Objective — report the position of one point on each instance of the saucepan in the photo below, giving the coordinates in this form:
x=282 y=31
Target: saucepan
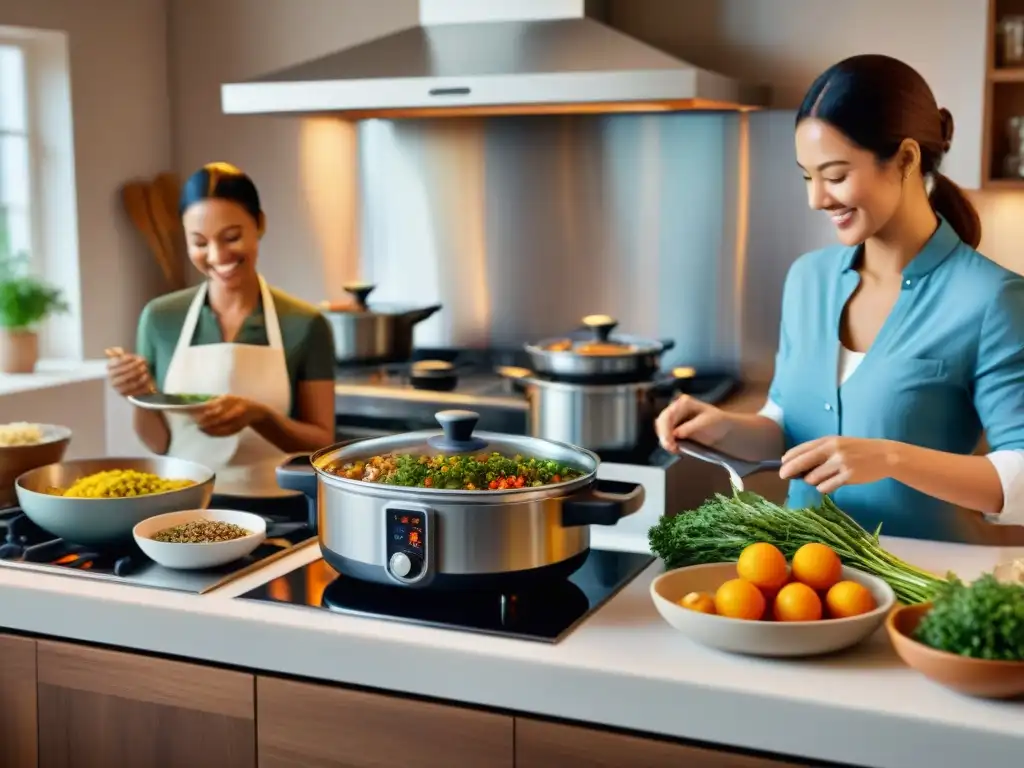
x=365 y=333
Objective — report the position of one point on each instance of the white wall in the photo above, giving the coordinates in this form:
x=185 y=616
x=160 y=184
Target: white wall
x=121 y=118
x=304 y=168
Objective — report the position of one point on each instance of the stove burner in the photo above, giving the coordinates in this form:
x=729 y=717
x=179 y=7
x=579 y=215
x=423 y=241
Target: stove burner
x=545 y=613
x=542 y=610
x=25 y=543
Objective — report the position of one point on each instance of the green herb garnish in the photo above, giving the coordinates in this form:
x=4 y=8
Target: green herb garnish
x=983 y=620
x=720 y=529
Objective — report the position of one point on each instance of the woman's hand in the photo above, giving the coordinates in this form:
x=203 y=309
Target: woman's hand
x=829 y=463
x=690 y=419
x=228 y=415
x=129 y=375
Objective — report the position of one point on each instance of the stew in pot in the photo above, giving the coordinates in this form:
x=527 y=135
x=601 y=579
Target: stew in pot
x=480 y=472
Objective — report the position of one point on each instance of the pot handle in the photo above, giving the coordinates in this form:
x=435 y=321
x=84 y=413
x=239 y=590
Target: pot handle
x=604 y=503
x=414 y=316
x=457 y=428
x=600 y=325
x=297 y=474
x=667 y=344
x=360 y=292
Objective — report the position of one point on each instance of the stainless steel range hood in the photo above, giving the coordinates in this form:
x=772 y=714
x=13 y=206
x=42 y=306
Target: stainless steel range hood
x=493 y=57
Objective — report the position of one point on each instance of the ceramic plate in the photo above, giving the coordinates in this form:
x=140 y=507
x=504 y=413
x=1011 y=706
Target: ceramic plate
x=158 y=401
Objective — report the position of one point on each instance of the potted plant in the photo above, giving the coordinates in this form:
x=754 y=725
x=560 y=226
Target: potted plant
x=25 y=302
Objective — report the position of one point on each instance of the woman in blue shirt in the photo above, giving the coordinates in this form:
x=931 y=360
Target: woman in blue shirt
x=899 y=347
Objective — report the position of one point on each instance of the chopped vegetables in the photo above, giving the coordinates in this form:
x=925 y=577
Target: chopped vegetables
x=465 y=473
x=723 y=526
x=983 y=620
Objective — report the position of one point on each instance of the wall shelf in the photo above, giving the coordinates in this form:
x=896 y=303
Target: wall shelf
x=1004 y=99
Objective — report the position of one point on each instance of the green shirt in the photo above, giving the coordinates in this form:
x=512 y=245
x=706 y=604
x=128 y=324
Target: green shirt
x=306 y=335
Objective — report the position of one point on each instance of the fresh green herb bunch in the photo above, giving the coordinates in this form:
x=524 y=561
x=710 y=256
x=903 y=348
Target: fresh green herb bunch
x=721 y=528
x=25 y=300
x=983 y=620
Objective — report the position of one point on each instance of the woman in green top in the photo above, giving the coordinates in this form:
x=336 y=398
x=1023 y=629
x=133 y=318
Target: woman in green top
x=268 y=357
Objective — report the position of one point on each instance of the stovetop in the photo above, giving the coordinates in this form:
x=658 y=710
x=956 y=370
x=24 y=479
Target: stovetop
x=26 y=545
x=545 y=615
x=380 y=399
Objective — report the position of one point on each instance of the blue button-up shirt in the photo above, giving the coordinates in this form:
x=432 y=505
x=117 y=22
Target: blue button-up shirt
x=947 y=365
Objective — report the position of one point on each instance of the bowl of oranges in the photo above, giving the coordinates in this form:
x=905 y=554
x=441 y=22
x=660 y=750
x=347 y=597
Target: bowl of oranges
x=763 y=605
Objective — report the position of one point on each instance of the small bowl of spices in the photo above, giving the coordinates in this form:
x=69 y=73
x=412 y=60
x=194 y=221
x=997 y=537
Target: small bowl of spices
x=200 y=538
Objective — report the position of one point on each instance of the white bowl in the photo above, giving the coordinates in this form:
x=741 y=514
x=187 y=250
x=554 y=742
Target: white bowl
x=763 y=638
x=199 y=556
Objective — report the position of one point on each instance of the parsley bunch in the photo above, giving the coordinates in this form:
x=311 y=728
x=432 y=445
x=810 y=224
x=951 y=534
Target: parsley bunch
x=983 y=620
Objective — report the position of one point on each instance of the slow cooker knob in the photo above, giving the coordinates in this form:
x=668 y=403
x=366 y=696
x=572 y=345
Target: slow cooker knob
x=405 y=566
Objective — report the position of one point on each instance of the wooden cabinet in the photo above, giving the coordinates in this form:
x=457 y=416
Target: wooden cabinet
x=1004 y=97
x=305 y=725
x=553 y=745
x=100 y=708
x=18 y=728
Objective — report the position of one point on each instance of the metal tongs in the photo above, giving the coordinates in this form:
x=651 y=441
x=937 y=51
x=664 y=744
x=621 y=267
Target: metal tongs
x=738 y=469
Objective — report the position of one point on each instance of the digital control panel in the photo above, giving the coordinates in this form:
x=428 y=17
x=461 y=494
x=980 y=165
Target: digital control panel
x=407 y=533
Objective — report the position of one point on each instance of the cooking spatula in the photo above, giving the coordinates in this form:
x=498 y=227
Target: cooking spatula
x=737 y=468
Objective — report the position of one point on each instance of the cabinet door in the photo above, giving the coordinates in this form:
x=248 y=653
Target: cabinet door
x=100 y=708
x=304 y=725
x=552 y=745
x=18 y=730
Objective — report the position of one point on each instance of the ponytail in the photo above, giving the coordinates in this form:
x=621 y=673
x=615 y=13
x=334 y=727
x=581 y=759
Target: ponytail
x=950 y=202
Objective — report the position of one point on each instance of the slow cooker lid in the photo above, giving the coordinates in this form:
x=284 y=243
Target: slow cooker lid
x=458 y=437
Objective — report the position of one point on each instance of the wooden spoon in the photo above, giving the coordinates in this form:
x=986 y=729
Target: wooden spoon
x=136 y=204
x=168 y=253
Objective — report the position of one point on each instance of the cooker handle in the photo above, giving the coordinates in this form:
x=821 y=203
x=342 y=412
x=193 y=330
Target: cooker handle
x=297 y=474
x=604 y=503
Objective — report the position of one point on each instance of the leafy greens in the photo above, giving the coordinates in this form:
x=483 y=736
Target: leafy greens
x=983 y=620
x=723 y=526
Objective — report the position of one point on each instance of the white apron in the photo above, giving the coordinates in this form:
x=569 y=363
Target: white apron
x=244 y=462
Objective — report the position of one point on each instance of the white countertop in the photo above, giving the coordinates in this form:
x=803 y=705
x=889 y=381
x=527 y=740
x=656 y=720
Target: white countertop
x=623 y=667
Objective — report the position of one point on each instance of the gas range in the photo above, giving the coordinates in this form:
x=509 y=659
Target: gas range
x=545 y=615
x=380 y=399
x=27 y=546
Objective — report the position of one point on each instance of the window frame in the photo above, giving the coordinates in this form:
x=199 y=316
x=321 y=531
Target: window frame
x=35 y=236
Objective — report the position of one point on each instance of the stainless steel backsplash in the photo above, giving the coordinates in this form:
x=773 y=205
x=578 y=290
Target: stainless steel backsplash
x=520 y=226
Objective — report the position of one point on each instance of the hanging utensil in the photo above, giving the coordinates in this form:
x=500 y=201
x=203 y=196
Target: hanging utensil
x=168 y=227
x=136 y=204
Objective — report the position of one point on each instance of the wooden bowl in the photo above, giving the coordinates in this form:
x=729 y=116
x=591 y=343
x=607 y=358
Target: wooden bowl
x=974 y=677
x=15 y=460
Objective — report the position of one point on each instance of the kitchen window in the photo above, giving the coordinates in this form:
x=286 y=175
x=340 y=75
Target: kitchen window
x=16 y=221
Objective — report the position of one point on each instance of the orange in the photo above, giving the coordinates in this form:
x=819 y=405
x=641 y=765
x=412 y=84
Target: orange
x=763 y=565
x=848 y=598
x=739 y=599
x=817 y=566
x=797 y=602
x=701 y=602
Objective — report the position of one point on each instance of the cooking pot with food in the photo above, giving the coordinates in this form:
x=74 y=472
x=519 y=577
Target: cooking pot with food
x=594 y=355
x=366 y=333
x=458 y=508
x=596 y=390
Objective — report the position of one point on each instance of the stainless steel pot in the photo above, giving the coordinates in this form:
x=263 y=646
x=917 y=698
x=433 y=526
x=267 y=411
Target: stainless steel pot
x=372 y=333
x=598 y=417
x=441 y=538
x=595 y=356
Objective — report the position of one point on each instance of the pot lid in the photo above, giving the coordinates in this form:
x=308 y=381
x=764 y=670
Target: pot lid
x=458 y=436
x=598 y=341
x=358 y=305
